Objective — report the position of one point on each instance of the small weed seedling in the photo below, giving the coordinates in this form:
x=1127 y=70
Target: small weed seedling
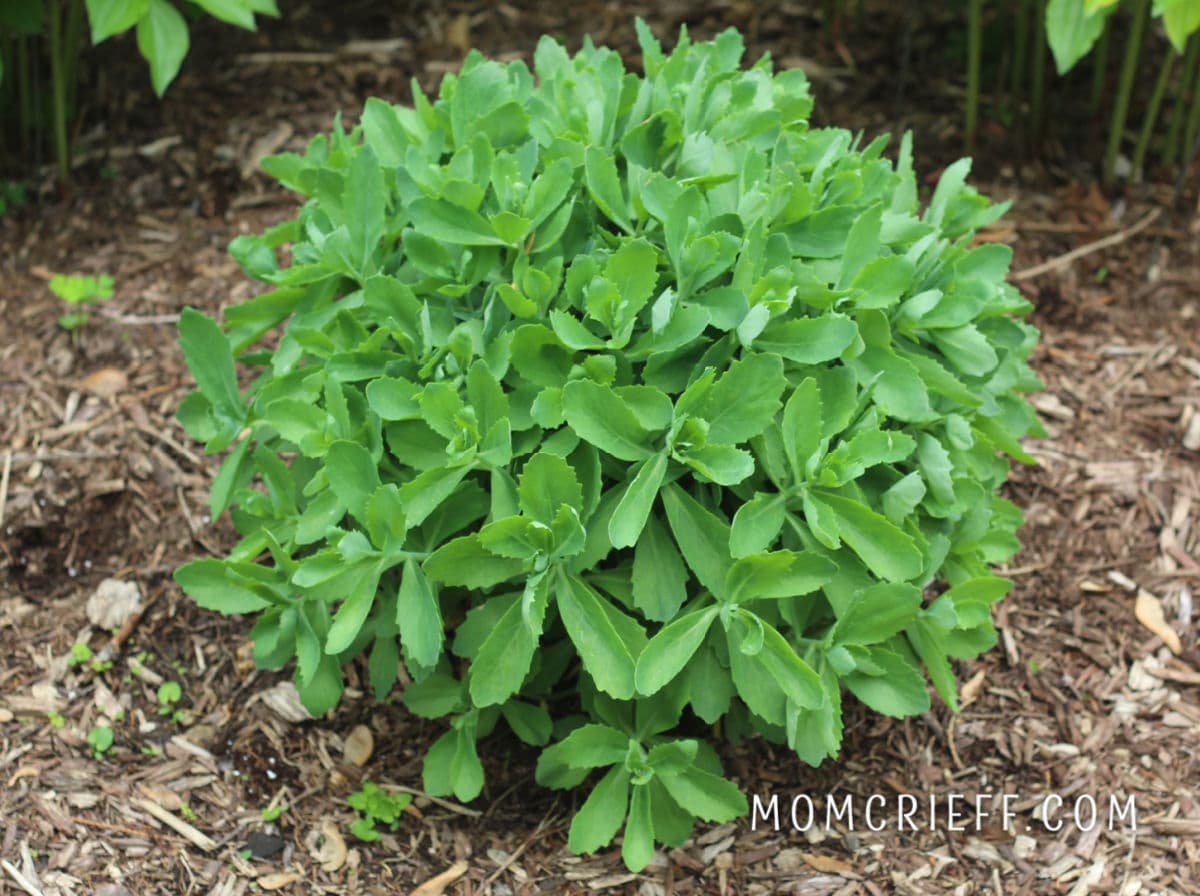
x=75 y=289
x=80 y=654
x=169 y=694
x=100 y=739
x=377 y=807
x=55 y=719
x=272 y=813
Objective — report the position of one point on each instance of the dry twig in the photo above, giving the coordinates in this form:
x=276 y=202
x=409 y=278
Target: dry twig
x=1063 y=261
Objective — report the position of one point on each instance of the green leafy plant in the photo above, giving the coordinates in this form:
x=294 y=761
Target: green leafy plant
x=273 y=813
x=376 y=807
x=78 y=289
x=55 y=30
x=602 y=403
x=100 y=739
x=55 y=719
x=80 y=653
x=169 y=694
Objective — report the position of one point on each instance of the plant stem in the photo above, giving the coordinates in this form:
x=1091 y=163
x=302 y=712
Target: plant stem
x=24 y=75
x=1181 y=95
x=58 y=90
x=1151 y=117
x=1038 y=91
x=974 y=60
x=1099 y=72
x=73 y=47
x=1116 y=130
x=1193 y=120
x=1020 y=50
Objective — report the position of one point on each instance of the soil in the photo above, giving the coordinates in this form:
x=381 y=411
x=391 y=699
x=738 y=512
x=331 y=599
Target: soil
x=1083 y=698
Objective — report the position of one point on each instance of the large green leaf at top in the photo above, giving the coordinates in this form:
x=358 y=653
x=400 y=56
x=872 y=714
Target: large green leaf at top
x=162 y=38
x=1071 y=31
x=109 y=17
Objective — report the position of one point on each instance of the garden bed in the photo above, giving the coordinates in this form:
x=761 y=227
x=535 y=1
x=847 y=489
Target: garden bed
x=1080 y=699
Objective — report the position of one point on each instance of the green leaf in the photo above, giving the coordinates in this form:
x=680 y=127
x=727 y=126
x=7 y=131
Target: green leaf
x=659 y=578
x=757 y=524
x=669 y=651
x=210 y=358
x=349 y=619
x=745 y=399
x=604 y=186
x=530 y=723
x=802 y=427
x=777 y=574
x=109 y=17
x=449 y=223
x=599 y=416
x=633 y=270
x=637 y=849
x=353 y=476
x=812 y=340
x=504 y=659
x=1071 y=31
x=602 y=813
x=629 y=517
x=209 y=584
x=593 y=746
x=900 y=691
x=794 y=676
x=546 y=483
x=162 y=38
x=418 y=616
x=705 y=795
x=877 y=613
x=888 y=551
x=702 y=537
x=604 y=653
x=466 y=562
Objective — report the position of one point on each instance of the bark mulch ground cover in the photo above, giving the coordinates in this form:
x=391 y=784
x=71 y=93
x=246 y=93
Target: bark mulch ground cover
x=1093 y=694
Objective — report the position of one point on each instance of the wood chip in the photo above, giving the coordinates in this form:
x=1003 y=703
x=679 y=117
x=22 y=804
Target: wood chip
x=107 y=382
x=332 y=851
x=181 y=827
x=359 y=745
x=437 y=884
x=278 y=880
x=1149 y=613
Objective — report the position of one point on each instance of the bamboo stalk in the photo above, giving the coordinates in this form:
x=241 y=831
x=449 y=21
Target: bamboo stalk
x=1099 y=72
x=974 y=63
x=1193 y=121
x=1178 y=112
x=58 y=90
x=1038 y=91
x=1116 y=130
x=1151 y=117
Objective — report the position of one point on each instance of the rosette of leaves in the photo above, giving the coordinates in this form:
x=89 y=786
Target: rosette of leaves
x=606 y=405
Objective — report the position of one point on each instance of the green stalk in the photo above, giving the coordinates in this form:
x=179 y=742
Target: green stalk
x=1099 y=71
x=1181 y=95
x=1193 y=122
x=1020 y=50
x=1040 y=49
x=73 y=47
x=974 y=60
x=1116 y=129
x=1151 y=117
x=24 y=76
x=58 y=91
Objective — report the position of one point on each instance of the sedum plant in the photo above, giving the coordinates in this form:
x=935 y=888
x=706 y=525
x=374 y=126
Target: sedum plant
x=609 y=407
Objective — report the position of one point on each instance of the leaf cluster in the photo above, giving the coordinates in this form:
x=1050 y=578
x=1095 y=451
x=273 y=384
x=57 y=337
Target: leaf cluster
x=602 y=402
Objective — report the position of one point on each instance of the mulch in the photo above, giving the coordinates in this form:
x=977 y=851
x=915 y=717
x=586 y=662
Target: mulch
x=1083 y=698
